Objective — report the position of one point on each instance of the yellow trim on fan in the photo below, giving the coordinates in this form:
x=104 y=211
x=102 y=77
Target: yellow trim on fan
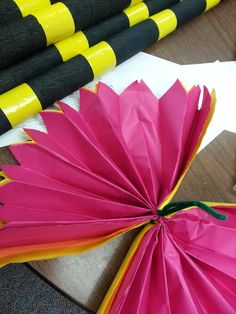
x=2 y=223
x=107 y=302
x=4 y=181
x=220 y=204
x=43 y=251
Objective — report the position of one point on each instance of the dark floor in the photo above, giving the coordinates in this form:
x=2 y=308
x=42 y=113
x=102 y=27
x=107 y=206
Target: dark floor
x=24 y=292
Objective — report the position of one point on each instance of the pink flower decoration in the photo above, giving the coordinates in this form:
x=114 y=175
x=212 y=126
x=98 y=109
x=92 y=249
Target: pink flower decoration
x=113 y=167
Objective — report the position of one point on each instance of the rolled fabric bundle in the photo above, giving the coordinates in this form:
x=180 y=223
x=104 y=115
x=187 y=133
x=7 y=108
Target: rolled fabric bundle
x=49 y=25
x=15 y=9
x=68 y=48
x=29 y=98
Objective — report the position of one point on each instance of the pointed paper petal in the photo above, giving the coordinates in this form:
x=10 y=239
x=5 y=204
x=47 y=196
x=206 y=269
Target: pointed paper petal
x=139 y=115
x=31 y=189
x=50 y=163
x=109 y=137
x=180 y=159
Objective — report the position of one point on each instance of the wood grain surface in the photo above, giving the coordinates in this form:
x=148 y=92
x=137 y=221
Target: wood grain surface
x=212 y=175
x=211 y=37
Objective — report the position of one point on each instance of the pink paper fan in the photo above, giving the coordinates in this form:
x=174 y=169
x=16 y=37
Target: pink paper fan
x=112 y=167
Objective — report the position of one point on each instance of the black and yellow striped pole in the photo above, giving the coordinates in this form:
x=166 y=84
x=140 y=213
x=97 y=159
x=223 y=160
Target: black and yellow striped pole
x=12 y=10
x=49 y=25
x=70 y=47
x=37 y=94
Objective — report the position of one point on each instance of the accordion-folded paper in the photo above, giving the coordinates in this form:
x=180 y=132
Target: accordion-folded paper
x=112 y=167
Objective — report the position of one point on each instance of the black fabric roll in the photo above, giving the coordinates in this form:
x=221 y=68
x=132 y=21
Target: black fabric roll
x=188 y=10
x=23 y=37
x=9 y=11
x=62 y=80
x=35 y=65
x=77 y=72
x=5 y=125
x=80 y=70
x=133 y=40
x=106 y=28
x=18 y=39
x=87 y=12
x=50 y=57
x=156 y=6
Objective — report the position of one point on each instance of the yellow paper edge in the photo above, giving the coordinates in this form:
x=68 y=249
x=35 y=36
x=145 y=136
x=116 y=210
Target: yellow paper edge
x=50 y=252
x=105 y=306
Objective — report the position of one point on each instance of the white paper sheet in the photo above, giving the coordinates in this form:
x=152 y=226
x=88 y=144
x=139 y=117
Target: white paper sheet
x=222 y=77
x=159 y=75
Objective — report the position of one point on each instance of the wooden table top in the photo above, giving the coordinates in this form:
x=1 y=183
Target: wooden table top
x=211 y=37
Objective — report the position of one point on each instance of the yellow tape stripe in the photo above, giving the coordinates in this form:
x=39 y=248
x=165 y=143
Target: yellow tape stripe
x=19 y=104
x=137 y=14
x=166 y=22
x=101 y=58
x=72 y=46
x=109 y=297
x=29 y=6
x=211 y=3
x=56 y=21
